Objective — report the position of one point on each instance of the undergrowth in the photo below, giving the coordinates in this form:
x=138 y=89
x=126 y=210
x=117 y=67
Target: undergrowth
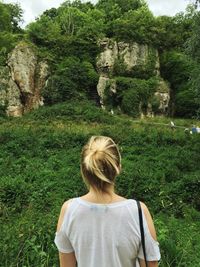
x=39 y=170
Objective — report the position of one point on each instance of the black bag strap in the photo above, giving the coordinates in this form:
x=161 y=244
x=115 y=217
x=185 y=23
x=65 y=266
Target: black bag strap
x=142 y=231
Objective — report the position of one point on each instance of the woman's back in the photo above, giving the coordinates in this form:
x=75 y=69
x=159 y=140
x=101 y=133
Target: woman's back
x=104 y=235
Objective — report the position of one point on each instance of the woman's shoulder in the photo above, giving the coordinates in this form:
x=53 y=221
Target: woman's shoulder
x=63 y=211
x=149 y=220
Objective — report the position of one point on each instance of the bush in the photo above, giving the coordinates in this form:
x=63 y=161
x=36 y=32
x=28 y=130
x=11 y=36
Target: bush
x=132 y=94
x=130 y=103
x=69 y=76
x=177 y=68
x=131 y=27
x=185 y=103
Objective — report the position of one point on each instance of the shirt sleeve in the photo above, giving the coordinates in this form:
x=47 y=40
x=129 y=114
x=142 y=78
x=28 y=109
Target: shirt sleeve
x=62 y=242
x=151 y=245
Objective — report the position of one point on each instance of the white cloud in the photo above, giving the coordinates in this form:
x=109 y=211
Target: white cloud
x=169 y=7
x=34 y=8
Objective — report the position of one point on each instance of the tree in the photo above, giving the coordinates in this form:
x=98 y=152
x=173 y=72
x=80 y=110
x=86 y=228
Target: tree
x=10 y=31
x=71 y=79
x=16 y=13
x=193 y=49
x=45 y=31
x=5 y=21
x=136 y=25
x=124 y=6
x=10 y=17
x=177 y=68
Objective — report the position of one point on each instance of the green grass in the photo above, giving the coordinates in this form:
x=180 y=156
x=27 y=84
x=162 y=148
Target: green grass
x=39 y=170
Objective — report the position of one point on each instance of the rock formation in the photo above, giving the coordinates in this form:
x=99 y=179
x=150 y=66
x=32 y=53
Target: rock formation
x=22 y=81
x=130 y=55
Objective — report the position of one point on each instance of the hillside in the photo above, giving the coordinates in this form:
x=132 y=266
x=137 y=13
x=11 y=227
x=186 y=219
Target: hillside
x=40 y=156
x=116 y=53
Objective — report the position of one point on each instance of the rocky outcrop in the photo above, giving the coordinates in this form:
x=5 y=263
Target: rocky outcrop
x=129 y=57
x=163 y=97
x=22 y=81
x=129 y=54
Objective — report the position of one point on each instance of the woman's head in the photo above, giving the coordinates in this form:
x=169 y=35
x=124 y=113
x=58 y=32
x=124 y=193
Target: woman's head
x=100 y=162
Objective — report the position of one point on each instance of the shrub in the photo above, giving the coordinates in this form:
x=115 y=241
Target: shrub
x=132 y=94
x=69 y=76
x=130 y=103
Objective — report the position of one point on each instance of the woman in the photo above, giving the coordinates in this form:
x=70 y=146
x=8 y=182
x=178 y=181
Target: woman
x=101 y=228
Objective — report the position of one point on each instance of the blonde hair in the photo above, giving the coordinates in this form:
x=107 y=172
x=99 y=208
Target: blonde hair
x=100 y=162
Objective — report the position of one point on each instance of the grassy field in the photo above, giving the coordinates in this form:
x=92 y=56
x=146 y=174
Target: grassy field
x=39 y=170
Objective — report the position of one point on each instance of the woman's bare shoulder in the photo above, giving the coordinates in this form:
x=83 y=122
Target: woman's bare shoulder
x=62 y=213
x=149 y=220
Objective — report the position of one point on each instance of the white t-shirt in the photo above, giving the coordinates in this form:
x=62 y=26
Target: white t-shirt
x=105 y=235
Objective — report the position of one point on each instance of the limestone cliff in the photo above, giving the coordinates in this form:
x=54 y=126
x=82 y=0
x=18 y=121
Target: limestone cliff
x=22 y=80
x=131 y=54
x=130 y=57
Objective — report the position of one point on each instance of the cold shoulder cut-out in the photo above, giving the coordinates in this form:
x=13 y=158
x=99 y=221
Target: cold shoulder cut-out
x=105 y=235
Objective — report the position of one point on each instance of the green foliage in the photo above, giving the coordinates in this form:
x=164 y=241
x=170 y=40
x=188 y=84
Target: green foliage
x=177 y=243
x=124 y=7
x=44 y=32
x=2 y=110
x=40 y=157
x=74 y=111
x=7 y=42
x=177 y=68
x=115 y=10
x=10 y=31
x=132 y=94
x=65 y=83
x=186 y=103
x=193 y=49
x=120 y=68
x=70 y=30
x=74 y=29
x=155 y=103
x=87 y=25
x=143 y=70
x=173 y=32
x=130 y=103
x=10 y=17
x=137 y=25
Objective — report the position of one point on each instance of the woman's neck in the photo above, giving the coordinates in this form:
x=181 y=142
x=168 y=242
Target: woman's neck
x=104 y=198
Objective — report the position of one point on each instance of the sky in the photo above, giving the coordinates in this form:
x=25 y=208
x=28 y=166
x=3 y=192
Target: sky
x=34 y=8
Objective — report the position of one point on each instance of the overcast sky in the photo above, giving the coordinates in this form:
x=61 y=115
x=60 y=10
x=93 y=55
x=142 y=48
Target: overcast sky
x=33 y=8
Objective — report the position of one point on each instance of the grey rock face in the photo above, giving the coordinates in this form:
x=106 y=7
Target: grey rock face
x=102 y=84
x=163 y=96
x=22 y=62
x=22 y=81
x=107 y=58
x=130 y=55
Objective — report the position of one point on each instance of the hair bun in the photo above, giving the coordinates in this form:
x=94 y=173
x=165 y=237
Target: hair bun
x=100 y=161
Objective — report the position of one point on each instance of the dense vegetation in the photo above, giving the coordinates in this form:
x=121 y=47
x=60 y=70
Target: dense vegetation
x=10 y=31
x=40 y=158
x=67 y=37
x=40 y=153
